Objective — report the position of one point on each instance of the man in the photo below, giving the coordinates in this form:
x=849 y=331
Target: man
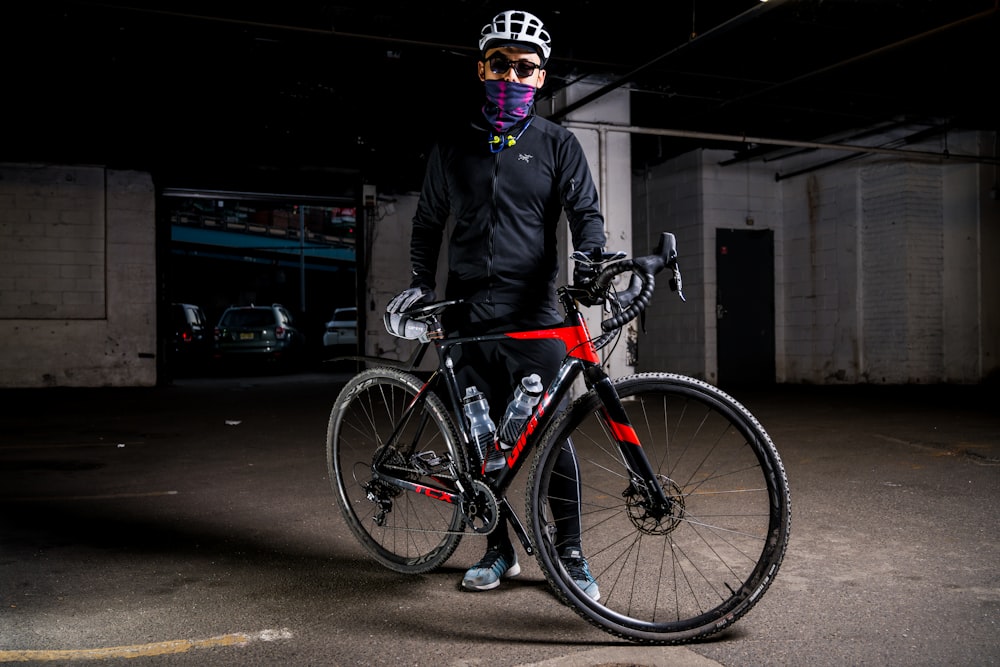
x=504 y=180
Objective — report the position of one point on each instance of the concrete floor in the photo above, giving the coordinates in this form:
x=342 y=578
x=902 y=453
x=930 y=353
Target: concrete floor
x=194 y=524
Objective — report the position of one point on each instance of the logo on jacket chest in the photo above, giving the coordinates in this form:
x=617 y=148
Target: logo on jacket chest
x=524 y=157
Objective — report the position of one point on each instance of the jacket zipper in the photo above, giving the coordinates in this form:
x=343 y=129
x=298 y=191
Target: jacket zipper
x=491 y=245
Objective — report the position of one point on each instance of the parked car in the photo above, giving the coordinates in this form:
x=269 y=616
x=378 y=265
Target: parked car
x=190 y=340
x=266 y=333
x=342 y=329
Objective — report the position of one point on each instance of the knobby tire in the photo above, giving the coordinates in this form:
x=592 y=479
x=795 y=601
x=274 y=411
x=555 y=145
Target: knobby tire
x=695 y=571
x=404 y=531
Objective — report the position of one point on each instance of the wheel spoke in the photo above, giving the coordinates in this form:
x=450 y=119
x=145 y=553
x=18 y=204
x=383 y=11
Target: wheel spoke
x=405 y=531
x=666 y=576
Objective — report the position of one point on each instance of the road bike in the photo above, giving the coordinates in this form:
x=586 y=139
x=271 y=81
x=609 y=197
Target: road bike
x=684 y=498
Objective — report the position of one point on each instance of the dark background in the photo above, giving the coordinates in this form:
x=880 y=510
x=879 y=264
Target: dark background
x=312 y=93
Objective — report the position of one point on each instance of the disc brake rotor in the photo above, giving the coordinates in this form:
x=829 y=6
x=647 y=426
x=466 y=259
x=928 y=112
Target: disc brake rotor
x=656 y=523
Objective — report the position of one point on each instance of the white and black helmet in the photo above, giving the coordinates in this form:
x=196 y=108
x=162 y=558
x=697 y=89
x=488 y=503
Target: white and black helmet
x=516 y=28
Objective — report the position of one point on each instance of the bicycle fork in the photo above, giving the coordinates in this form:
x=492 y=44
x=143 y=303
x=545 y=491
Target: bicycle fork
x=644 y=480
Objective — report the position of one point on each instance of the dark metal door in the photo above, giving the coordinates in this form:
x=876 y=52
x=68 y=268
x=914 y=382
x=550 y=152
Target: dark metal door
x=745 y=306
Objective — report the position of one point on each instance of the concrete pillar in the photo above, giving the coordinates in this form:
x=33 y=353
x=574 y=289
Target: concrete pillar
x=609 y=155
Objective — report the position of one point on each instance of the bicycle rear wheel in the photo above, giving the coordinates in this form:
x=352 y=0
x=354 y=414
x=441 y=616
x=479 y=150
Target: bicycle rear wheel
x=674 y=578
x=405 y=531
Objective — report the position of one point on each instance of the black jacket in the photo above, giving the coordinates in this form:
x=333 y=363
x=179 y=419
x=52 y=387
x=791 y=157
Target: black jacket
x=505 y=208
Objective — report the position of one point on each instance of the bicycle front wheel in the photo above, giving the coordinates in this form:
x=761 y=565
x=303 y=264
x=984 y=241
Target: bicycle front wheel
x=663 y=577
x=405 y=531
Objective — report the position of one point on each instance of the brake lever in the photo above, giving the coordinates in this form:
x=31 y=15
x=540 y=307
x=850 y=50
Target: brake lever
x=584 y=258
x=584 y=297
x=676 y=284
x=580 y=257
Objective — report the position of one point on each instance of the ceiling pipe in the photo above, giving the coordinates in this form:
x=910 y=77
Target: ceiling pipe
x=754 y=13
x=770 y=155
x=721 y=29
x=743 y=139
x=913 y=138
x=326 y=32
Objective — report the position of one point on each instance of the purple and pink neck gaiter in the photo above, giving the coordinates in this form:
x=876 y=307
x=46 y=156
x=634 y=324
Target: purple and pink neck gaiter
x=507 y=102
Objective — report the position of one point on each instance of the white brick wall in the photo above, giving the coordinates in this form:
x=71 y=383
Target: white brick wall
x=882 y=272
x=902 y=244
x=818 y=275
x=52 y=232
x=390 y=274
x=77 y=277
x=885 y=271
x=676 y=336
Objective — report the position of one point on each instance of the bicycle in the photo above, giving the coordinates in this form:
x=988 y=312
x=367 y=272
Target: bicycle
x=685 y=500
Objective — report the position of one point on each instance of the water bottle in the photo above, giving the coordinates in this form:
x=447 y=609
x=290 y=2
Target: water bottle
x=481 y=427
x=512 y=423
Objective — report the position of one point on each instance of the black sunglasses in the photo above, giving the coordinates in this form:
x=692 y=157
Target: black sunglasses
x=522 y=68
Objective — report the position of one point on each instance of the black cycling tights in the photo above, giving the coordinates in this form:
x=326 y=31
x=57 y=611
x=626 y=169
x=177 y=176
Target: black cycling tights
x=495 y=369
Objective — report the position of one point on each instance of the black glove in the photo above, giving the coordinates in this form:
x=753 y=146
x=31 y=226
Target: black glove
x=586 y=270
x=410 y=297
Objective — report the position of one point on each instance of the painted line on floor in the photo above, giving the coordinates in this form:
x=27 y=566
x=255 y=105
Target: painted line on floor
x=145 y=650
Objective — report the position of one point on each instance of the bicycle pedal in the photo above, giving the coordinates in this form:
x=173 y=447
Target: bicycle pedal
x=428 y=460
x=428 y=457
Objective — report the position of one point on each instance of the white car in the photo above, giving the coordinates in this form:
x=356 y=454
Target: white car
x=342 y=329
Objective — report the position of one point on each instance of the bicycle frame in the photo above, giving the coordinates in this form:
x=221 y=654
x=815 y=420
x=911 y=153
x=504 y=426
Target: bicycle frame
x=683 y=532
x=581 y=359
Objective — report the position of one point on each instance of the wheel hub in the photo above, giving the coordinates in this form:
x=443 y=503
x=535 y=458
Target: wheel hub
x=654 y=520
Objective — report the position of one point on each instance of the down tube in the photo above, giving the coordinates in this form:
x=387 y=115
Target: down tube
x=548 y=407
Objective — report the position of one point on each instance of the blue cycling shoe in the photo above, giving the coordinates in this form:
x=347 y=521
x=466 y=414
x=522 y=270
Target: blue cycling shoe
x=485 y=575
x=577 y=567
